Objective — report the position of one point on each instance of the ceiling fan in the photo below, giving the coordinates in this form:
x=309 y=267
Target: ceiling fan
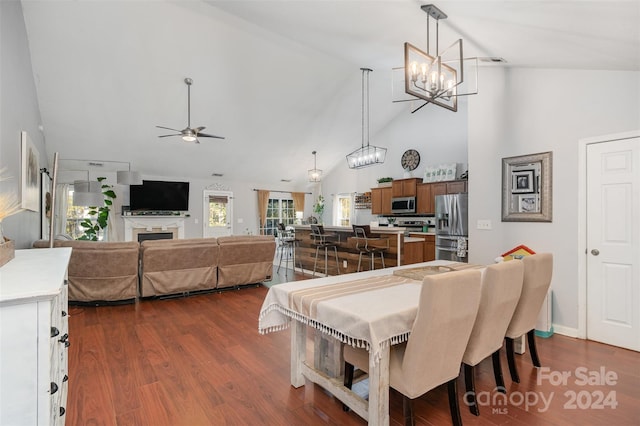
x=189 y=134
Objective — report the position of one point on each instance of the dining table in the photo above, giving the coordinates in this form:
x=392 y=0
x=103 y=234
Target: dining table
x=372 y=310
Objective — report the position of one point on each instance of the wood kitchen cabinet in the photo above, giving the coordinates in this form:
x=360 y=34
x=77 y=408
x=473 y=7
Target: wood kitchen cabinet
x=424 y=199
x=405 y=187
x=429 y=246
x=381 y=200
x=450 y=187
x=427 y=192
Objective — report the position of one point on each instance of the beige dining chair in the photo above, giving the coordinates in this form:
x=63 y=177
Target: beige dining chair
x=501 y=288
x=538 y=269
x=432 y=355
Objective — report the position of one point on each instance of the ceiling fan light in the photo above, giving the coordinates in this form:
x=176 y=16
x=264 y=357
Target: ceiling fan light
x=188 y=138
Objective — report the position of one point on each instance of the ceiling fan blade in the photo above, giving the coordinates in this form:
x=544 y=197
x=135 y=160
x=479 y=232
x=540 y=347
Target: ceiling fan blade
x=199 y=129
x=168 y=128
x=204 y=135
x=165 y=136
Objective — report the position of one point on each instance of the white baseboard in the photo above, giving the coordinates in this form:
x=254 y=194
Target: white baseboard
x=565 y=331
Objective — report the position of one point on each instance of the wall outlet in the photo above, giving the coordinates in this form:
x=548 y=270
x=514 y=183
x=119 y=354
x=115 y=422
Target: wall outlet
x=344 y=264
x=195 y=220
x=483 y=224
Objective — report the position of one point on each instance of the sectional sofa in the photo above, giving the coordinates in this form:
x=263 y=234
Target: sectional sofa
x=125 y=271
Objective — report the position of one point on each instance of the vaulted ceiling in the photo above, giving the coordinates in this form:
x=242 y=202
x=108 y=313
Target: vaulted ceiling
x=278 y=79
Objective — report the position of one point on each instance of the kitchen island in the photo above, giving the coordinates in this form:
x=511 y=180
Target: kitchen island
x=402 y=250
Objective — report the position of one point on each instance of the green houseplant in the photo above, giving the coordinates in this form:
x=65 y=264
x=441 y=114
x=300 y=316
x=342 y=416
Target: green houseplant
x=385 y=181
x=99 y=214
x=318 y=208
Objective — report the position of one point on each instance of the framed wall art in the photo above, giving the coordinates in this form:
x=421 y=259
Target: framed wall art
x=527 y=188
x=30 y=174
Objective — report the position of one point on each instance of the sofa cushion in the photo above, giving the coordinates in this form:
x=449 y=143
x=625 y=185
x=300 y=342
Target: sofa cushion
x=245 y=259
x=178 y=266
x=100 y=271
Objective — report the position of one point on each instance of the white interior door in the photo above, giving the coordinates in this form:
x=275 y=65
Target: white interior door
x=217 y=214
x=613 y=242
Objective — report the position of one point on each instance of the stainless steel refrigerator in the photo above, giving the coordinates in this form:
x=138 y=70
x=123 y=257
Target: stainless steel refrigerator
x=452 y=227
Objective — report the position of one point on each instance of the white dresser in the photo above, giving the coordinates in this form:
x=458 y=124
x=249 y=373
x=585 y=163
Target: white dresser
x=34 y=338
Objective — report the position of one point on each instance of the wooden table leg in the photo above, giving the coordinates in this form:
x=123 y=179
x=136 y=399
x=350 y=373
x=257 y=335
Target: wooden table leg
x=379 y=389
x=298 y=352
x=327 y=354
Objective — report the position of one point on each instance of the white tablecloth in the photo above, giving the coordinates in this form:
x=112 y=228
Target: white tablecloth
x=371 y=312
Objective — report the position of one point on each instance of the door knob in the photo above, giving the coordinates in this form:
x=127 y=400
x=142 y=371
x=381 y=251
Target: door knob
x=595 y=252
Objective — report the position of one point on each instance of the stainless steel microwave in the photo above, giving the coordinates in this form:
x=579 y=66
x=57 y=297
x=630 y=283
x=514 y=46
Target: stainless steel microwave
x=403 y=205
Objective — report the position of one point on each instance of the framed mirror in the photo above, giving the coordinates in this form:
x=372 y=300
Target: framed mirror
x=527 y=188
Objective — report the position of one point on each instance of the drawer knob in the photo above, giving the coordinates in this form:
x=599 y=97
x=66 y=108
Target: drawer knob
x=62 y=411
x=54 y=388
x=54 y=331
x=65 y=378
x=64 y=313
x=64 y=338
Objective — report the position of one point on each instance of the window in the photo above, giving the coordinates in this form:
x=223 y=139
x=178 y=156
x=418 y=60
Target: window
x=279 y=211
x=75 y=215
x=344 y=210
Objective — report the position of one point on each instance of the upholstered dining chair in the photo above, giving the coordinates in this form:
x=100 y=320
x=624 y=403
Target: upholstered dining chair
x=501 y=288
x=538 y=269
x=431 y=356
x=369 y=244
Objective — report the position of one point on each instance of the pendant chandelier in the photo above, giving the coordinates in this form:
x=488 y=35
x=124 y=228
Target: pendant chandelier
x=315 y=174
x=366 y=155
x=436 y=79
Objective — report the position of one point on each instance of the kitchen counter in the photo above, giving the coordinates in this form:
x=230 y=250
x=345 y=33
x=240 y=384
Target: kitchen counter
x=395 y=255
x=413 y=239
x=422 y=233
x=374 y=229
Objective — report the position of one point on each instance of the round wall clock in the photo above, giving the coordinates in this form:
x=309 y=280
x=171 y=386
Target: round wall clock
x=410 y=159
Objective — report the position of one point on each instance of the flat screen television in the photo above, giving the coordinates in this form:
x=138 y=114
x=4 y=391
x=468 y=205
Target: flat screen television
x=157 y=195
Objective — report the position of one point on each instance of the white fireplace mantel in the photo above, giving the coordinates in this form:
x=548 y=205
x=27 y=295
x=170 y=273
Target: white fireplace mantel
x=134 y=225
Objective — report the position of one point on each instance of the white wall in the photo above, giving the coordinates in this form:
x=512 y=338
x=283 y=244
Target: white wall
x=245 y=202
x=526 y=111
x=439 y=135
x=18 y=111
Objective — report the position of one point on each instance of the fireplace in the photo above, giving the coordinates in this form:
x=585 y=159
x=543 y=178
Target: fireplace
x=139 y=228
x=144 y=236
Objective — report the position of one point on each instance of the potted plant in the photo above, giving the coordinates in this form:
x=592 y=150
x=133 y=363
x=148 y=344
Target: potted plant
x=318 y=208
x=101 y=214
x=385 y=181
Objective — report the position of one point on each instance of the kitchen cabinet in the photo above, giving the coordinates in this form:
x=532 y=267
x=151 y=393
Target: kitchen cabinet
x=34 y=337
x=429 y=246
x=381 y=200
x=412 y=251
x=424 y=199
x=405 y=187
x=450 y=187
x=427 y=192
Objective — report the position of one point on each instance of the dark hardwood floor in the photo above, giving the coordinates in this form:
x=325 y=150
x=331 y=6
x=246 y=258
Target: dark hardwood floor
x=199 y=360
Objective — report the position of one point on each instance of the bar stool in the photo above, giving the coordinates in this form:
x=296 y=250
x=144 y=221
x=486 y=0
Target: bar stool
x=325 y=241
x=287 y=243
x=366 y=243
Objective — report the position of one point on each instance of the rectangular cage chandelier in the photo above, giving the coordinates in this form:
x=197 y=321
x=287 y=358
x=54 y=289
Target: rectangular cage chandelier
x=439 y=78
x=367 y=155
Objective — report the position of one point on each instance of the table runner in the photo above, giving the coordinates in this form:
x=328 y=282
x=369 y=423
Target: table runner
x=370 y=313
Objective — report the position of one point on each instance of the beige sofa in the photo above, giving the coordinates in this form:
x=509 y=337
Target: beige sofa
x=245 y=259
x=178 y=266
x=100 y=271
x=113 y=271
